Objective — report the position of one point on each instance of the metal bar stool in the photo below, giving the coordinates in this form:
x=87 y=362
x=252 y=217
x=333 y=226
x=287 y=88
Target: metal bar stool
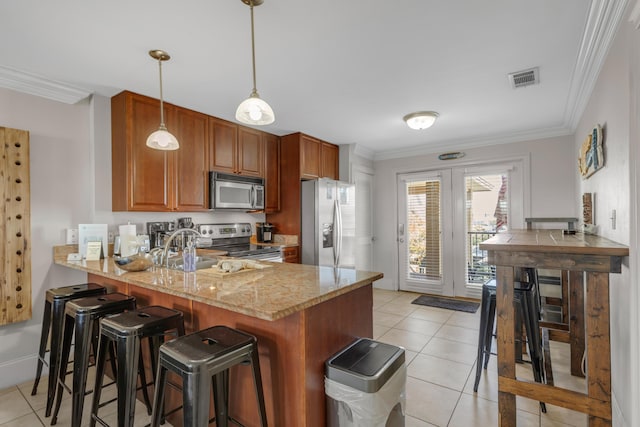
x=528 y=304
x=52 y=322
x=82 y=315
x=127 y=330
x=203 y=359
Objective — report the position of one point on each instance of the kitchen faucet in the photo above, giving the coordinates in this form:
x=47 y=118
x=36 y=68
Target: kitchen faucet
x=164 y=257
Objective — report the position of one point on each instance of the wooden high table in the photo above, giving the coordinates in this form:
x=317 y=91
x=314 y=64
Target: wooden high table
x=585 y=256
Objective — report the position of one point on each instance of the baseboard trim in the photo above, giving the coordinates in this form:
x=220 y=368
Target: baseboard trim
x=616 y=413
x=385 y=284
x=18 y=371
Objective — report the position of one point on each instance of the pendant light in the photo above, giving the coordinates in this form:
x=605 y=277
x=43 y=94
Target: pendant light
x=254 y=110
x=161 y=139
x=421 y=119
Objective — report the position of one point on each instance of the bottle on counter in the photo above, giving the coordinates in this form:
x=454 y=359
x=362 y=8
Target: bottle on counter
x=189 y=257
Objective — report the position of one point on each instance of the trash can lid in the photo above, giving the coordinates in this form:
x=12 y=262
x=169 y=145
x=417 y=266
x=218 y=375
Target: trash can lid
x=365 y=365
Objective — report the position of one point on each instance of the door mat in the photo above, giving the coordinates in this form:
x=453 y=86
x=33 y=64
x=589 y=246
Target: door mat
x=448 y=303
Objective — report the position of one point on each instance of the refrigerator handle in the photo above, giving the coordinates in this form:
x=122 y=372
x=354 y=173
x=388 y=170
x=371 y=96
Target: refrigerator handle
x=338 y=242
x=334 y=231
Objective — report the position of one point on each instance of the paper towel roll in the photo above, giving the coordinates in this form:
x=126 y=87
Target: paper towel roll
x=127 y=230
x=128 y=240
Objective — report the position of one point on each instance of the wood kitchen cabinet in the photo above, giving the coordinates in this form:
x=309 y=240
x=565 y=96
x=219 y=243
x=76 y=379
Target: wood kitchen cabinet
x=301 y=157
x=144 y=179
x=272 y=173
x=318 y=159
x=223 y=145
x=291 y=254
x=235 y=149
x=329 y=155
x=191 y=178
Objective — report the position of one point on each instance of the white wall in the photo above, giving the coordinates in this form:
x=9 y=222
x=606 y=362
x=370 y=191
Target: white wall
x=609 y=106
x=70 y=147
x=60 y=184
x=552 y=165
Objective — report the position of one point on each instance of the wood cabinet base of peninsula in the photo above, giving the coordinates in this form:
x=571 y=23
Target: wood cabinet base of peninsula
x=293 y=351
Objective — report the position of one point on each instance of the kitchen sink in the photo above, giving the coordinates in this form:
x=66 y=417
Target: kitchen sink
x=201 y=262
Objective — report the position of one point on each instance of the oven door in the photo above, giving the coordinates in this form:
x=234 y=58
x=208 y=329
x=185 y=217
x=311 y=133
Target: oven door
x=232 y=195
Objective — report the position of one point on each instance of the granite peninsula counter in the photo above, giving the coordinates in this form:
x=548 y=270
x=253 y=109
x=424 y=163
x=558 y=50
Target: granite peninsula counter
x=300 y=314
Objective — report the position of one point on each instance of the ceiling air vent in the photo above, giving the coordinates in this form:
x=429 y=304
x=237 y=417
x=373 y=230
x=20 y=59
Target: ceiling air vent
x=524 y=78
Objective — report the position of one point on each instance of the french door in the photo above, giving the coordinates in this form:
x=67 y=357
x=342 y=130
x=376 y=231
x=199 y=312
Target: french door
x=444 y=215
x=424 y=234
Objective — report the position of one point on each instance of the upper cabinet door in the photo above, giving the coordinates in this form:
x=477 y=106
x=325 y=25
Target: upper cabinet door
x=191 y=163
x=329 y=156
x=140 y=174
x=272 y=173
x=250 y=152
x=223 y=146
x=310 y=152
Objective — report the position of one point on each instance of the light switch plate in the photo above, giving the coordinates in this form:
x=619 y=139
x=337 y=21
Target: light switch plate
x=72 y=236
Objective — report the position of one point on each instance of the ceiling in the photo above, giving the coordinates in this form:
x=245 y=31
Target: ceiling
x=343 y=71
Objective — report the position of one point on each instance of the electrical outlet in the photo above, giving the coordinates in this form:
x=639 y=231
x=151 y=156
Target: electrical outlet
x=72 y=236
x=111 y=237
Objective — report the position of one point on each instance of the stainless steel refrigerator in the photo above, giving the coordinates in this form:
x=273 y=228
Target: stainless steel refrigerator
x=328 y=223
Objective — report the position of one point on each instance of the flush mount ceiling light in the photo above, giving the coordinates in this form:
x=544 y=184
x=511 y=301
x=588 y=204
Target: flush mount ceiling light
x=161 y=139
x=253 y=110
x=421 y=119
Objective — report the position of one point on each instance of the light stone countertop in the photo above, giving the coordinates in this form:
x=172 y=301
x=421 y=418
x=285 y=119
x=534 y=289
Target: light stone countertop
x=270 y=294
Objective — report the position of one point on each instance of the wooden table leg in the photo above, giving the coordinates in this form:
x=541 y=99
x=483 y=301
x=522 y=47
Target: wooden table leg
x=506 y=343
x=598 y=343
x=576 y=321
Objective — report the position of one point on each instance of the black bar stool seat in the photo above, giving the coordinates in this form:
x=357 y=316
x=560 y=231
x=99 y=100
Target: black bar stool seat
x=127 y=330
x=203 y=359
x=52 y=322
x=527 y=299
x=82 y=316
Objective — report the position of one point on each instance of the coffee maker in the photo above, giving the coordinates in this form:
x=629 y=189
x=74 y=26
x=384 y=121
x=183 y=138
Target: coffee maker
x=158 y=231
x=264 y=232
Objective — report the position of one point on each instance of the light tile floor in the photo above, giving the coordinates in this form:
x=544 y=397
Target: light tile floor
x=19 y=409
x=441 y=350
x=440 y=354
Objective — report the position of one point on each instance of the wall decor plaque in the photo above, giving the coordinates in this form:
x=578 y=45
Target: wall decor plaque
x=591 y=157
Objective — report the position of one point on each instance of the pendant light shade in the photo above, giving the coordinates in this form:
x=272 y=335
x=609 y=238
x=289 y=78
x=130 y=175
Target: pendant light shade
x=161 y=139
x=421 y=119
x=254 y=110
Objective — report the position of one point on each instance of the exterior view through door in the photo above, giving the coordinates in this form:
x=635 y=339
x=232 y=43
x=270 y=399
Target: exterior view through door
x=443 y=216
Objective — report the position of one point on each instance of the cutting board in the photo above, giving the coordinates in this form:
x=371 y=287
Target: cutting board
x=215 y=271
x=15 y=227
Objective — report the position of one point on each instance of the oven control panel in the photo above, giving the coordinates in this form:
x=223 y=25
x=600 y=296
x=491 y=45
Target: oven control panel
x=224 y=231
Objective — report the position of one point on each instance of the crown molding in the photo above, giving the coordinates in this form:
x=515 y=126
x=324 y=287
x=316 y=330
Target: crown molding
x=459 y=145
x=33 y=84
x=634 y=16
x=603 y=20
x=602 y=24
x=363 y=151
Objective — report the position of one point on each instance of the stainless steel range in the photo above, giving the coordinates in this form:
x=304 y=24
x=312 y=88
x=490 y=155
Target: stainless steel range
x=235 y=238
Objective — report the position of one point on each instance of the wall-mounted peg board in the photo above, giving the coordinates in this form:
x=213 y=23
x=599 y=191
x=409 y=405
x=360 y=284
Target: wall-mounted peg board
x=15 y=228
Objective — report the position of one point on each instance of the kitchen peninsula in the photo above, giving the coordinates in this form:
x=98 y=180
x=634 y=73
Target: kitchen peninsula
x=300 y=314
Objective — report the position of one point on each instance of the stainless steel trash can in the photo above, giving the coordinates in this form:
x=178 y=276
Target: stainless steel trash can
x=365 y=385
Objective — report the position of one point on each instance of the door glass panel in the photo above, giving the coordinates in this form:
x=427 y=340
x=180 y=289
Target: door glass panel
x=424 y=257
x=486 y=212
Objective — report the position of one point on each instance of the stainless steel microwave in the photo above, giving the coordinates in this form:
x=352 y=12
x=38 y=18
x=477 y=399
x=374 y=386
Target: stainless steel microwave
x=233 y=192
